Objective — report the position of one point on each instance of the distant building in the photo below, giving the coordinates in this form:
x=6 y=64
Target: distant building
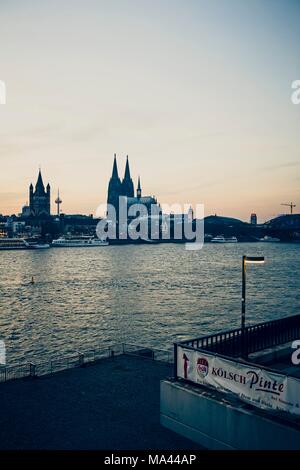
x=18 y=227
x=116 y=189
x=39 y=199
x=25 y=211
x=77 y=224
x=3 y=230
x=253 y=219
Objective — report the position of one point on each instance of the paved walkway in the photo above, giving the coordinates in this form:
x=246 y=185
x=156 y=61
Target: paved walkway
x=110 y=405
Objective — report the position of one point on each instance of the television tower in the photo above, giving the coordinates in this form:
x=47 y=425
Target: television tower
x=58 y=201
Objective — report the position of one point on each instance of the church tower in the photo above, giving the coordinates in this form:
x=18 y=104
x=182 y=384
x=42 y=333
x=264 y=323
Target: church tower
x=127 y=183
x=39 y=200
x=114 y=186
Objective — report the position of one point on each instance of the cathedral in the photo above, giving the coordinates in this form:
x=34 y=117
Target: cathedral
x=39 y=199
x=117 y=188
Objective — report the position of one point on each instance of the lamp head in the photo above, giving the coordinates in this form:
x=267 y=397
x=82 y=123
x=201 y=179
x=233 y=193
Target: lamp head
x=254 y=259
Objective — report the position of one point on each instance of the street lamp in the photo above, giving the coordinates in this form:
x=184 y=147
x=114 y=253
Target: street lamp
x=247 y=260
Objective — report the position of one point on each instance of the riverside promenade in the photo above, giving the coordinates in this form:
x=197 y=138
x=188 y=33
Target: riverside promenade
x=112 y=405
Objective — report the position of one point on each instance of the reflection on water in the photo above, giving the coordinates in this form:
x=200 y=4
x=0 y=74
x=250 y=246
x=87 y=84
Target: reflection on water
x=140 y=294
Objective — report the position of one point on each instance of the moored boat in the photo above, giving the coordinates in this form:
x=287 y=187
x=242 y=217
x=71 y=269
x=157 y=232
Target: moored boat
x=13 y=244
x=222 y=239
x=78 y=242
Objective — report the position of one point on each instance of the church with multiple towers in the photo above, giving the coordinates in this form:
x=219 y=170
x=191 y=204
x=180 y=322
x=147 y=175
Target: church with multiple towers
x=40 y=196
x=125 y=188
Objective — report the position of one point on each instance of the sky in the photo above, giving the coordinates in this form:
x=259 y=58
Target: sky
x=196 y=92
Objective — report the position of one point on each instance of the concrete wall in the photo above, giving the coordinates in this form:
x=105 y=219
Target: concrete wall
x=214 y=423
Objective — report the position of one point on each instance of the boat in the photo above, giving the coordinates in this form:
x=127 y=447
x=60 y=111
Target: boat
x=222 y=239
x=13 y=244
x=269 y=239
x=38 y=246
x=78 y=242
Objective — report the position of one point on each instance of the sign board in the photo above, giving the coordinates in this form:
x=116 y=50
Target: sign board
x=257 y=386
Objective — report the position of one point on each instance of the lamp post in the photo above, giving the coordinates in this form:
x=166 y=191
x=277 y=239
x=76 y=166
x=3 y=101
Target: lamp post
x=247 y=260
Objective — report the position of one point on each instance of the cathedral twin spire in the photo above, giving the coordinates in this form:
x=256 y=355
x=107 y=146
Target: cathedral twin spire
x=127 y=183
x=115 y=169
x=127 y=170
x=124 y=188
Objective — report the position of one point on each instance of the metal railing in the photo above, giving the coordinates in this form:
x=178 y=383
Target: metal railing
x=160 y=355
x=48 y=366
x=242 y=342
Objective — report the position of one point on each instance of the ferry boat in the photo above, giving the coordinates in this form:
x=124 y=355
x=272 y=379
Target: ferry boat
x=13 y=244
x=77 y=242
x=222 y=239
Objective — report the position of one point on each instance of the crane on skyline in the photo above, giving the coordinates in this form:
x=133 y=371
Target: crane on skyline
x=291 y=205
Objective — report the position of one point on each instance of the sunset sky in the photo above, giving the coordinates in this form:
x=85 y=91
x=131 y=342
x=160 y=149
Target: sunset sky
x=197 y=93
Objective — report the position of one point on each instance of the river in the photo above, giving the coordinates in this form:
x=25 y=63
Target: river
x=145 y=294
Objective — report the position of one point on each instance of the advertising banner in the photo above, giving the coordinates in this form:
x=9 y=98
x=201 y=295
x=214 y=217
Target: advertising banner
x=257 y=386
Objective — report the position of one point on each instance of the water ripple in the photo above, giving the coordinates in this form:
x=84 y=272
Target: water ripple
x=137 y=294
